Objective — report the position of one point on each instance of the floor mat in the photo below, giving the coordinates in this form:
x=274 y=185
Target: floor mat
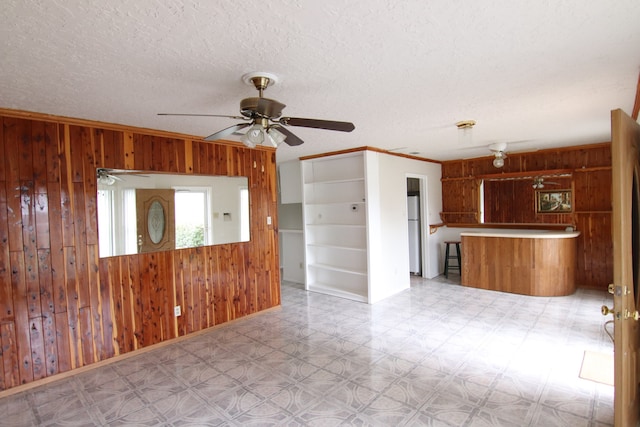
x=597 y=367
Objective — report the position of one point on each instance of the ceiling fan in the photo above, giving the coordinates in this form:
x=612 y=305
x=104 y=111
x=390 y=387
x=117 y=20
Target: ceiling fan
x=262 y=116
x=108 y=176
x=105 y=177
x=539 y=182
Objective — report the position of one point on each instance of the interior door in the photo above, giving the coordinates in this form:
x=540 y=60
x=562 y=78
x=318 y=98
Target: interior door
x=155 y=216
x=625 y=142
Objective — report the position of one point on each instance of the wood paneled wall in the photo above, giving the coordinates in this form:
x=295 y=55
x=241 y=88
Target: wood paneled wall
x=63 y=307
x=591 y=183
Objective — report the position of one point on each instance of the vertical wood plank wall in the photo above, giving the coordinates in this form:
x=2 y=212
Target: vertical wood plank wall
x=63 y=307
x=591 y=166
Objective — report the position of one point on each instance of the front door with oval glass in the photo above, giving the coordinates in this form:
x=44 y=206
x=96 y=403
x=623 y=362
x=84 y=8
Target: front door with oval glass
x=155 y=219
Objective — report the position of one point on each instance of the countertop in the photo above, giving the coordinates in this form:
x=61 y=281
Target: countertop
x=524 y=234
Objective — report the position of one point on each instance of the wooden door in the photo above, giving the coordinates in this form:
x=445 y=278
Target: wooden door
x=625 y=142
x=155 y=216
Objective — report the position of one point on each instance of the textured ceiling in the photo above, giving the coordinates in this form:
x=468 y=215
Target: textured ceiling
x=534 y=74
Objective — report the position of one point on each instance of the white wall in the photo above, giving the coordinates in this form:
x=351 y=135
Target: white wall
x=290 y=223
x=388 y=219
x=292 y=256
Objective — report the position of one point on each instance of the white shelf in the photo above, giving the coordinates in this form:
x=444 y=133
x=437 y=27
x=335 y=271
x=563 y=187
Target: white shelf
x=348 y=202
x=335 y=216
x=340 y=269
x=337 y=292
x=337 y=225
x=337 y=247
x=335 y=181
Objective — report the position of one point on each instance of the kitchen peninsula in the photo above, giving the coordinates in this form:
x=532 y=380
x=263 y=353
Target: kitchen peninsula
x=527 y=262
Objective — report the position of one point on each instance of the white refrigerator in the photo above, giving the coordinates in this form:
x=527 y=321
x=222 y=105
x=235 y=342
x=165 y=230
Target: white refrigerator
x=413 y=213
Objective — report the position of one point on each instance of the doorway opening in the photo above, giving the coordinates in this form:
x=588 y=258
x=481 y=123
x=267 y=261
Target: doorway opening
x=416 y=225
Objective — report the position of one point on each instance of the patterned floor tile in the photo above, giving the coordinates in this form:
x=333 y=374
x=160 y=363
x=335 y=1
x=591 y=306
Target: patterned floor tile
x=24 y=418
x=295 y=399
x=352 y=395
x=388 y=412
x=60 y=406
x=509 y=407
x=235 y=402
x=142 y=417
x=437 y=354
x=178 y=405
x=447 y=408
x=119 y=407
x=96 y=393
x=325 y=413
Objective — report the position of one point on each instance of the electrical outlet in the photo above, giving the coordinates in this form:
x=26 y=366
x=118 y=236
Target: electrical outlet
x=268 y=220
x=177 y=311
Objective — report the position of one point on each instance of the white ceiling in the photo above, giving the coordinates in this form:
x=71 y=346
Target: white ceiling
x=535 y=74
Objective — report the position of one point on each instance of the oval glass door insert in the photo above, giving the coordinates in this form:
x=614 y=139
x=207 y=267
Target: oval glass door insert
x=155 y=222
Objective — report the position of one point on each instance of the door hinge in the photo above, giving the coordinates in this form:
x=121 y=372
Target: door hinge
x=617 y=290
x=631 y=315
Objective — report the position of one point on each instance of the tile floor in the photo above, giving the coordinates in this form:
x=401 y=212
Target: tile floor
x=438 y=354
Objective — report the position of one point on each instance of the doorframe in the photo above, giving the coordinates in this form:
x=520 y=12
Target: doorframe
x=425 y=270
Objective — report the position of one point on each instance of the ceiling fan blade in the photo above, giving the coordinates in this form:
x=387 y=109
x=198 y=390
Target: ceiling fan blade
x=318 y=124
x=290 y=139
x=226 y=132
x=269 y=108
x=204 y=115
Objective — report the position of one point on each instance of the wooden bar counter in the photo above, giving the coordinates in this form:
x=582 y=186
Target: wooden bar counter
x=527 y=262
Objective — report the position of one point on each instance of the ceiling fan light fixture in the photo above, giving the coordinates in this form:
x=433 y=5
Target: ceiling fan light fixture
x=275 y=138
x=246 y=142
x=254 y=136
x=537 y=183
x=104 y=178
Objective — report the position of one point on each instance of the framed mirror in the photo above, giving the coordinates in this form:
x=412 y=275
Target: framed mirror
x=514 y=198
x=143 y=211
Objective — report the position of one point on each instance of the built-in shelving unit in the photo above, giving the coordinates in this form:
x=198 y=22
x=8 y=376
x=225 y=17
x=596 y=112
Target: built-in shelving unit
x=335 y=221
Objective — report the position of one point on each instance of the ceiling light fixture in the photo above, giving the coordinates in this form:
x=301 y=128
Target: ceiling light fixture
x=464 y=131
x=466 y=124
x=499 y=160
x=261 y=133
